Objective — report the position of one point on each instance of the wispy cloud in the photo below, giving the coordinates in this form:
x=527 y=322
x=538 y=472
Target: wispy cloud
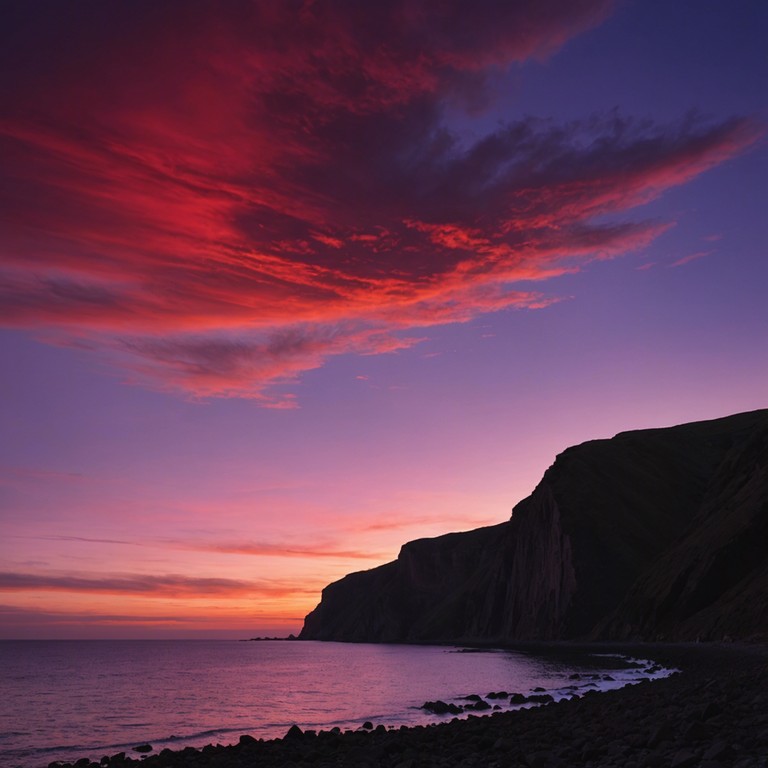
x=87 y=540
x=220 y=209
x=15 y=475
x=16 y=614
x=262 y=549
x=171 y=585
x=402 y=522
x=24 y=622
x=691 y=257
x=321 y=550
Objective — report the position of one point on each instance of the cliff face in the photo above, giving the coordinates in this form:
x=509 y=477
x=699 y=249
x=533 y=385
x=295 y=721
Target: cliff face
x=654 y=532
x=712 y=582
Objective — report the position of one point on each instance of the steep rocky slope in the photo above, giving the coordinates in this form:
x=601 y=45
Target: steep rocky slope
x=653 y=532
x=714 y=582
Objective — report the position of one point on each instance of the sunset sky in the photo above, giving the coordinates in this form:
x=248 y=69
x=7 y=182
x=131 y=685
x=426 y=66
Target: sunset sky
x=285 y=284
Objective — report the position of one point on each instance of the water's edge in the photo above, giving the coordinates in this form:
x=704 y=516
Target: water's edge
x=587 y=671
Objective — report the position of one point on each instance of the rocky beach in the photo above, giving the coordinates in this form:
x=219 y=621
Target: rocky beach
x=712 y=714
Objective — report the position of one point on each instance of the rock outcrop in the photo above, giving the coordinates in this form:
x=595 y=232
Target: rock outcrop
x=659 y=532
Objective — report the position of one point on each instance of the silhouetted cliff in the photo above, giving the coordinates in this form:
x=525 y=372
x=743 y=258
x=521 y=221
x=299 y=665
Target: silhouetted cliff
x=653 y=532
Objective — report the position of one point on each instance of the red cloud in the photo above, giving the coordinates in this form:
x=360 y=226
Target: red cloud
x=220 y=197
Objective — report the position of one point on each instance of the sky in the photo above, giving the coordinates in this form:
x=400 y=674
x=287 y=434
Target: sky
x=286 y=284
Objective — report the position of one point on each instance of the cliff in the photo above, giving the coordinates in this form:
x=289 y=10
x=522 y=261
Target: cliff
x=660 y=532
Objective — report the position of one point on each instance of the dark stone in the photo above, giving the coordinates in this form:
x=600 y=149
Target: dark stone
x=663 y=732
x=143 y=748
x=294 y=732
x=538 y=760
x=719 y=748
x=247 y=739
x=684 y=758
x=697 y=731
x=368 y=725
x=711 y=709
x=441 y=708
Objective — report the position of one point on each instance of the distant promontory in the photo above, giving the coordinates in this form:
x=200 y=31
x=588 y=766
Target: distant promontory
x=653 y=534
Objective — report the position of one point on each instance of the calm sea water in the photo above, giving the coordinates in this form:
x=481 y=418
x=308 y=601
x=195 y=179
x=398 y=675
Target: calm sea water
x=62 y=700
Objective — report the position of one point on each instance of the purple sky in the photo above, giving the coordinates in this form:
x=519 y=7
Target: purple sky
x=284 y=285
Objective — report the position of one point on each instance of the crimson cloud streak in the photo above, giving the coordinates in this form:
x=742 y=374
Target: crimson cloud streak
x=218 y=197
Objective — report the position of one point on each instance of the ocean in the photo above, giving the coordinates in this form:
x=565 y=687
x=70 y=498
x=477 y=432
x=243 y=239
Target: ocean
x=63 y=700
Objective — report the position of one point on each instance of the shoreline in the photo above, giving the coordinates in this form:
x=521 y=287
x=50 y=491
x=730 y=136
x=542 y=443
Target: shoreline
x=714 y=714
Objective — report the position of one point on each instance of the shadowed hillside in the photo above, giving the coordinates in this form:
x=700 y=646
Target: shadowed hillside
x=660 y=532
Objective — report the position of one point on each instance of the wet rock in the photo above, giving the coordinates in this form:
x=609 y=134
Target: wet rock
x=143 y=748
x=440 y=707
